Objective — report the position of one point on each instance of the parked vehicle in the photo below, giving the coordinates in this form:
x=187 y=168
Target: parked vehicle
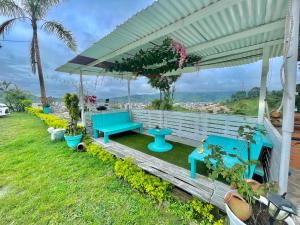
x=4 y=111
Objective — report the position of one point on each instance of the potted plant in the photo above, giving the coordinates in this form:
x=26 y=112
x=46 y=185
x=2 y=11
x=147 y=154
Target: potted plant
x=46 y=107
x=73 y=133
x=246 y=202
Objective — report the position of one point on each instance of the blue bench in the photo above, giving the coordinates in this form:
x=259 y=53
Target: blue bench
x=113 y=123
x=231 y=146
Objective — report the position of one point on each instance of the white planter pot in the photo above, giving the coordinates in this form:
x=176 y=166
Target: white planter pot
x=236 y=221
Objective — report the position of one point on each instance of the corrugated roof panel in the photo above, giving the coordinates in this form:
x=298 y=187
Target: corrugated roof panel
x=165 y=18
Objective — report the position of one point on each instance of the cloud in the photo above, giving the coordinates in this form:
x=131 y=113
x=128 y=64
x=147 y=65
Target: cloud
x=88 y=23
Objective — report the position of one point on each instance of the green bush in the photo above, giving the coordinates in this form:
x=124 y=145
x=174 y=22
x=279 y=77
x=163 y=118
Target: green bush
x=33 y=110
x=50 y=120
x=72 y=104
x=14 y=98
x=26 y=103
x=203 y=213
x=99 y=152
x=139 y=180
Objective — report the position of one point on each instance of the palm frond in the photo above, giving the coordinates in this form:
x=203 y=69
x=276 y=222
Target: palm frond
x=33 y=56
x=38 y=8
x=10 y=8
x=63 y=34
x=5 y=26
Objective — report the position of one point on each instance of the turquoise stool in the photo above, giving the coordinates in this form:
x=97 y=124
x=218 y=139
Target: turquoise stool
x=160 y=144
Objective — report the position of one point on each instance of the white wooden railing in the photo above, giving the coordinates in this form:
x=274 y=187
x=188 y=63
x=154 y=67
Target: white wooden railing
x=193 y=126
x=276 y=139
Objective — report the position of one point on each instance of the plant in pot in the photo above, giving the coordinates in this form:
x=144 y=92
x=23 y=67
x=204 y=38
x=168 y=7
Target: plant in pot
x=245 y=203
x=46 y=107
x=73 y=133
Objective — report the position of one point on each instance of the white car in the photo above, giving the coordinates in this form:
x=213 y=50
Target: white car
x=3 y=110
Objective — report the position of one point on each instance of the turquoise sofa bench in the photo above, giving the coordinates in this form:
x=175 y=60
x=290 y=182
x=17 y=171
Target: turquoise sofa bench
x=231 y=146
x=113 y=123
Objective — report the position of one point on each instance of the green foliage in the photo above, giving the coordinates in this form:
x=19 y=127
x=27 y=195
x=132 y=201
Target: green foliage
x=166 y=88
x=50 y=120
x=14 y=98
x=157 y=60
x=247 y=107
x=26 y=103
x=234 y=175
x=33 y=110
x=204 y=212
x=197 y=211
x=72 y=104
x=141 y=181
x=163 y=104
x=254 y=92
x=239 y=95
x=99 y=152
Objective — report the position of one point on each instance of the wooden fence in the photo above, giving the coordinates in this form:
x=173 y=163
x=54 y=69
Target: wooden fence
x=193 y=126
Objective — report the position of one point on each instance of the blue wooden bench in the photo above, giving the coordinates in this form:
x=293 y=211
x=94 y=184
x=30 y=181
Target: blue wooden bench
x=113 y=123
x=231 y=146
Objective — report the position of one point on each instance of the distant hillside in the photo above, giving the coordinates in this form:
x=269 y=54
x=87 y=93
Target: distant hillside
x=179 y=97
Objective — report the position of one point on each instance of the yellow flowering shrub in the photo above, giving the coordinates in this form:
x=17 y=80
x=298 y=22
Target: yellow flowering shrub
x=50 y=120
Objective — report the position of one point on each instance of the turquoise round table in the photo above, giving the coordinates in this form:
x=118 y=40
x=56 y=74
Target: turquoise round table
x=160 y=144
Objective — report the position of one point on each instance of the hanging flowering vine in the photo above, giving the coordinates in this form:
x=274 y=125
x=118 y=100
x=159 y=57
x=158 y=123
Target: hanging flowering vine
x=167 y=57
x=181 y=51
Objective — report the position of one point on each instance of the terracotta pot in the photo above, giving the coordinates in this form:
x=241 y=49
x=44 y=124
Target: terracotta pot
x=238 y=205
x=254 y=184
x=275 y=114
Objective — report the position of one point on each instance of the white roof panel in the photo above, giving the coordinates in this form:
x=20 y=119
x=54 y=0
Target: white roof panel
x=223 y=32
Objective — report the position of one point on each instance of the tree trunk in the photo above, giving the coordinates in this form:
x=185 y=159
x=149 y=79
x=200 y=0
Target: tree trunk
x=39 y=63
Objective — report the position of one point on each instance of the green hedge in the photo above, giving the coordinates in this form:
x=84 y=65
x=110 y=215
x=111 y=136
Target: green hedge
x=50 y=120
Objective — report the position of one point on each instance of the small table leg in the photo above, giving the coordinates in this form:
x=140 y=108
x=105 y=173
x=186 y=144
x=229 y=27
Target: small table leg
x=193 y=168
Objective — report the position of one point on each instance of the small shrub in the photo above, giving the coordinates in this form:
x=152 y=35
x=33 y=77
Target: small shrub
x=141 y=181
x=97 y=151
x=72 y=104
x=50 y=120
x=26 y=103
x=33 y=110
x=204 y=212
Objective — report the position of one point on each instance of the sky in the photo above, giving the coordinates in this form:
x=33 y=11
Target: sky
x=89 y=23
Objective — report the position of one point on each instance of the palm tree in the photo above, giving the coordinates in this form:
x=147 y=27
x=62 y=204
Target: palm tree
x=34 y=12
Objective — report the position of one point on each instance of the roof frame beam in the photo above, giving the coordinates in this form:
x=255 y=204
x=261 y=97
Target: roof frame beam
x=236 y=36
x=244 y=49
x=197 y=15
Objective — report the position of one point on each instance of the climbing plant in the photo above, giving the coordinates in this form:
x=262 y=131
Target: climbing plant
x=167 y=57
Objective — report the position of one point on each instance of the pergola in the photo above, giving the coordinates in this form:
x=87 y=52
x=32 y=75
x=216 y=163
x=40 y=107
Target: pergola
x=224 y=33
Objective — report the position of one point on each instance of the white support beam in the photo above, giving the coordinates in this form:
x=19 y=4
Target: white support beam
x=82 y=101
x=129 y=98
x=196 y=16
x=236 y=36
x=263 y=85
x=243 y=49
x=289 y=100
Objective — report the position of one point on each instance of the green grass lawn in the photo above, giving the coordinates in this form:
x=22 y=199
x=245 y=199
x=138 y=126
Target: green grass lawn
x=46 y=183
x=178 y=155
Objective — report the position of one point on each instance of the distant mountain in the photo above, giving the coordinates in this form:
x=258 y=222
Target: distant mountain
x=179 y=97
